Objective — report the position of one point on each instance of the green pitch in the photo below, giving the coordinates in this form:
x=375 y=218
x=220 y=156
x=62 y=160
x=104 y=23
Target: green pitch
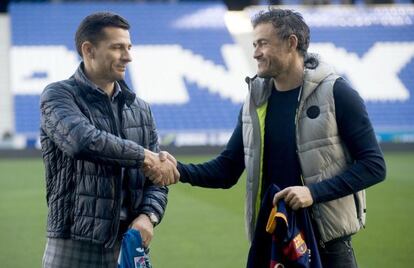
x=203 y=227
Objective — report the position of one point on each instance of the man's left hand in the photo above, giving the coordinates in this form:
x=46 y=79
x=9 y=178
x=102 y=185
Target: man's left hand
x=143 y=224
x=295 y=197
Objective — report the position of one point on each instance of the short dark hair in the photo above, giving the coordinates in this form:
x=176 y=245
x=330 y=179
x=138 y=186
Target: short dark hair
x=286 y=22
x=90 y=29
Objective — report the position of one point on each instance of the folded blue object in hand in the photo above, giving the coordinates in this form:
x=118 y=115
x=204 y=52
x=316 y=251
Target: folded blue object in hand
x=132 y=253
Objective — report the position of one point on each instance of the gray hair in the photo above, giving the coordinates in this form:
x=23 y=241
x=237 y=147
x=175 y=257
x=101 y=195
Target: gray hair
x=287 y=22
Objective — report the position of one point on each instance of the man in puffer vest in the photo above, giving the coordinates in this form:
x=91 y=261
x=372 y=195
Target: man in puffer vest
x=305 y=129
x=97 y=138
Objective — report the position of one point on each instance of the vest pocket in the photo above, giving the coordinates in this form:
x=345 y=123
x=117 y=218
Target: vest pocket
x=337 y=218
x=360 y=206
x=316 y=215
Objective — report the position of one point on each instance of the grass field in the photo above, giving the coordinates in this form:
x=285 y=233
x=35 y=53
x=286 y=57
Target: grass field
x=203 y=227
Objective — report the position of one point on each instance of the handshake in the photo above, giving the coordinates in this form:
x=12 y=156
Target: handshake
x=160 y=168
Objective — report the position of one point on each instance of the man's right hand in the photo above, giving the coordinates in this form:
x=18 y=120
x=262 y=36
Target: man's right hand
x=161 y=168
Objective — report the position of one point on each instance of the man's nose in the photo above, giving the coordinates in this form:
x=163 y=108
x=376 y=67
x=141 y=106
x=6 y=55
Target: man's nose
x=126 y=56
x=257 y=53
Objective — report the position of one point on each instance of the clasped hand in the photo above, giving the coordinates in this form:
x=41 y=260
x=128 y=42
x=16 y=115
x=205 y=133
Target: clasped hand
x=160 y=168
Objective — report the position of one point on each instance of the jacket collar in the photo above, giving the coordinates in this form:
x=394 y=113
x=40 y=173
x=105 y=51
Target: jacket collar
x=87 y=87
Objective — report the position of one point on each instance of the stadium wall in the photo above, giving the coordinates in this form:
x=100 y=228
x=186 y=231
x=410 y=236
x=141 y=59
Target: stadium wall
x=6 y=97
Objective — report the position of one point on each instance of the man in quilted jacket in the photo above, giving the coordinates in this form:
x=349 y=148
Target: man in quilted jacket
x=97 y=137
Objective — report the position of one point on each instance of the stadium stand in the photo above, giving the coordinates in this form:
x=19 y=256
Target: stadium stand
x=190 y=66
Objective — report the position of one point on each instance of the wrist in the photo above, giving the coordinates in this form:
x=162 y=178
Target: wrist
x=149 y=158
x=153 y=218
x=312 y=192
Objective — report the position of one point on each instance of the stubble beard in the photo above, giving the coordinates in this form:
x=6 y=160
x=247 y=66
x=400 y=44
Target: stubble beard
x=266 y=74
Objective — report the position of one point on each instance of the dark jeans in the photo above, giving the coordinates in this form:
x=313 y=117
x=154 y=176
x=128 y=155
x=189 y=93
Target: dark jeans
x=338 y=254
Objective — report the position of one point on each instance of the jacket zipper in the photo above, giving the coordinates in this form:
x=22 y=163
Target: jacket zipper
x=115 y=226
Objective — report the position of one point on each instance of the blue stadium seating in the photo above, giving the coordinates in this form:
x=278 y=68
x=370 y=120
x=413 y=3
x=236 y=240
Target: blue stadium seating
x=153 y=24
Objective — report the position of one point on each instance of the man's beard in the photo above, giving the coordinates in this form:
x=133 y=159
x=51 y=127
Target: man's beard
x=266 y=75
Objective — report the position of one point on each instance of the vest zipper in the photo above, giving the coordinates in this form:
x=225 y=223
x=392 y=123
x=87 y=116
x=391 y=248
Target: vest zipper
x=296 y=131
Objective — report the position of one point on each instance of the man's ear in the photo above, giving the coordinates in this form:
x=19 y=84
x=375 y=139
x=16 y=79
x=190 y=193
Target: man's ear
x=293 y=42
x=88 y=50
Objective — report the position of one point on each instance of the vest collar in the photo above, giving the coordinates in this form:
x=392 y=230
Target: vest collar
x=261 y=88
x=313 y=77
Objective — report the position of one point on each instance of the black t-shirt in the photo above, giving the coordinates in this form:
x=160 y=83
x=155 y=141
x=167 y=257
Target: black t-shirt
x=280 y=160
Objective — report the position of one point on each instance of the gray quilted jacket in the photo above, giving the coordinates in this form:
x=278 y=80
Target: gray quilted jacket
x=84 y=156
